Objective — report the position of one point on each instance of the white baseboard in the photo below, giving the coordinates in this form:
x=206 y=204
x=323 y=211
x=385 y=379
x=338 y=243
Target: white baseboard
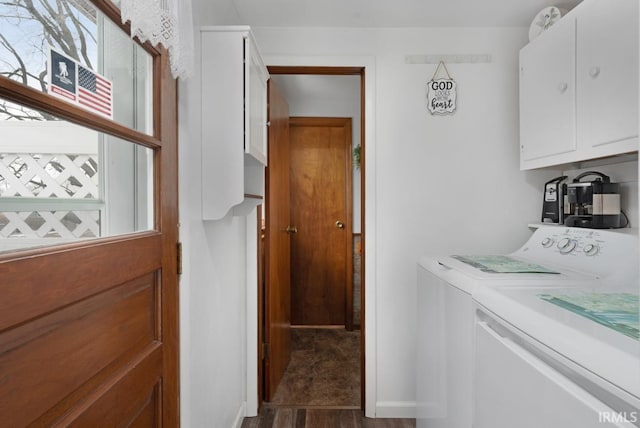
x=396 y=409
x=242 y=411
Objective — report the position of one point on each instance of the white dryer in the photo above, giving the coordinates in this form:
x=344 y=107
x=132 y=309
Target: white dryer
x=554 y=257
x=564 y=357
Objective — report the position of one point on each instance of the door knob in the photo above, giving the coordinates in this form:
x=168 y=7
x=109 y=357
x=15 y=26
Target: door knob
x=291 y=229
x=339 y=224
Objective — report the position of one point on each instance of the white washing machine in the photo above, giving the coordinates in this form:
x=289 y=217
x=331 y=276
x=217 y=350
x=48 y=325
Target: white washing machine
x=553 y=258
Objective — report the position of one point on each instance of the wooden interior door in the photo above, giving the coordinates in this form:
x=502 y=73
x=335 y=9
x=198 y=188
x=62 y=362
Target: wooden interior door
x=321 y=251
x=278 y=232
x=89 y=330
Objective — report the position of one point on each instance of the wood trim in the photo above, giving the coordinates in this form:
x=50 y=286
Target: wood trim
x=358 y=326
x=349 y=229
x=35 y=99
x=70 y=246
x=363 y=258
x=260 y=308
x=318 y=121
x=327 y=71
x=167 y=217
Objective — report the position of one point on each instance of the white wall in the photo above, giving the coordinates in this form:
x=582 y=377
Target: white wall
x=442 y=184
x=212 y=288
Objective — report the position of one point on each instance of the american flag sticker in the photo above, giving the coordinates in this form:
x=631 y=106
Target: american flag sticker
x=79 y=85
x=95 y=93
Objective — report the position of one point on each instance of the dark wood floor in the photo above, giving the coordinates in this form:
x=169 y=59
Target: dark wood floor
x=288 y=417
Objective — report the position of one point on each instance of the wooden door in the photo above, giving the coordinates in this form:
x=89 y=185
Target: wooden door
x=321 y=251
x=278 y=232
x=89 y=330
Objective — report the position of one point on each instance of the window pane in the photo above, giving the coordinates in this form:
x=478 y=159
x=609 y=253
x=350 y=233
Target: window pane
x=60 y=182
x=78 y=31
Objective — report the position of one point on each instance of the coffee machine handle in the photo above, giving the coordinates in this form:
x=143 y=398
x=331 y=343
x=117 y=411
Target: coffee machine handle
x=605 y=178
x=556 y=180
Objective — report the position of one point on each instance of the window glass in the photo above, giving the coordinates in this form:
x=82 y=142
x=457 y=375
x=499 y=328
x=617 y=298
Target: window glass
x=87 y=49
x=60 y=182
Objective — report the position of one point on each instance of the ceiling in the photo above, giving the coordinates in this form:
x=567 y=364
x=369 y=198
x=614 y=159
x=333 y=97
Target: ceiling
x=392 y=13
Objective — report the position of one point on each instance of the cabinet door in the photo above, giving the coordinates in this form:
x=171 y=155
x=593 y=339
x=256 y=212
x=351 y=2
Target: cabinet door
x=607 y=77
x=222 y=122
x=256 y=77
x=547 y=97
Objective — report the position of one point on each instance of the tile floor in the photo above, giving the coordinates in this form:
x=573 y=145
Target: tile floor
x=281 y=417
x=321 y=386
x=324 y=369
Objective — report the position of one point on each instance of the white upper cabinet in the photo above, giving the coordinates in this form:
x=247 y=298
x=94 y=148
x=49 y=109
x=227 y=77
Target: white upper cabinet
x=234 y=121
x=607 y=76
x=255 y=92
x=547 y=94
x=579 y=86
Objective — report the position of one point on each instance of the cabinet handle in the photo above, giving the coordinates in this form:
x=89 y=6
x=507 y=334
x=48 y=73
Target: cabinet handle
x=562 y=87
x=594 y=72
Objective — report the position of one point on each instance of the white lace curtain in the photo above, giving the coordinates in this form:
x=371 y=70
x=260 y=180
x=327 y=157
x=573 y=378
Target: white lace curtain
x=165 y=22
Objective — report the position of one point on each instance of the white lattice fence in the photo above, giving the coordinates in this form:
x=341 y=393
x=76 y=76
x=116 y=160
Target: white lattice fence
x=28 y=177
x=48 y=175
x=69 y=225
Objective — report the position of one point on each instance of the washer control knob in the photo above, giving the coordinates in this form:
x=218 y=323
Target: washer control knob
x=591 y=249
x=566 y=245
x=547 y=242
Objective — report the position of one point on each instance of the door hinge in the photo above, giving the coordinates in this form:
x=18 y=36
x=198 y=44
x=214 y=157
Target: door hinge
x=266 y=351
x=179 y=257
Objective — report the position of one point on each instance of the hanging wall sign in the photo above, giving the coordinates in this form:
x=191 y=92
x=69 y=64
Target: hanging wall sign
x=441 y=93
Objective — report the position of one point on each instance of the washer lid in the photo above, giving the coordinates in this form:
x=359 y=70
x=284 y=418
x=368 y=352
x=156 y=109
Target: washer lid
x=503 y=264
x=554 y=275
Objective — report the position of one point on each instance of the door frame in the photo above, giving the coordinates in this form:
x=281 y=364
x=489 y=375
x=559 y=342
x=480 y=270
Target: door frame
x=365 y=71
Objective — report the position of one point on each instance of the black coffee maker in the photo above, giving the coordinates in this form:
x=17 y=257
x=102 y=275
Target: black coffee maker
x=594 y=204
x=553 y=200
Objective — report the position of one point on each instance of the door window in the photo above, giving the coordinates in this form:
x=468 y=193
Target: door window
x=60 y=182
